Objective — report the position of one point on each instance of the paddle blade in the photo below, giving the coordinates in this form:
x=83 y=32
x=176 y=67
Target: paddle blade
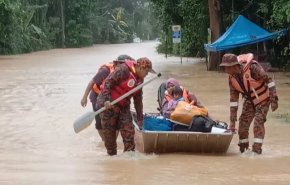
x=84 y=121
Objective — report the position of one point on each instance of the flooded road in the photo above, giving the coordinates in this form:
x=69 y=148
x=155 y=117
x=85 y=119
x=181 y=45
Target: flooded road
x=40 y=97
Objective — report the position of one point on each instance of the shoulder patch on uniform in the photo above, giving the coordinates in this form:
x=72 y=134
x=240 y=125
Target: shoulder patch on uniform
x=131 y=83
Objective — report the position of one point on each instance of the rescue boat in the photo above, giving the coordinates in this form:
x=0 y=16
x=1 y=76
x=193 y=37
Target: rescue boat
x=181 y=141
x=148 y=141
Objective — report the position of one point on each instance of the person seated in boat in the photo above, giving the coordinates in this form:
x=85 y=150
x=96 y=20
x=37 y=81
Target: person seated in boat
x=188 y=97
x=177 y=97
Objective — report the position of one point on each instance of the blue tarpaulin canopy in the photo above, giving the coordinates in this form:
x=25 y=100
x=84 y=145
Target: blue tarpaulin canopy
x=242 y=32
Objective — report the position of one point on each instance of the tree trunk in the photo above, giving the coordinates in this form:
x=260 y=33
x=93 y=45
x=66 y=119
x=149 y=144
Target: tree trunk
x=62 y=24
x=214 y=14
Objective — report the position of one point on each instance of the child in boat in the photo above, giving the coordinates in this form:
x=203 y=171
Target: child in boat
x=188 y=97
x=177 y=93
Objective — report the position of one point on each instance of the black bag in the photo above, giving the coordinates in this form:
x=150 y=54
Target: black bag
x=201 y=124
x=178 y=127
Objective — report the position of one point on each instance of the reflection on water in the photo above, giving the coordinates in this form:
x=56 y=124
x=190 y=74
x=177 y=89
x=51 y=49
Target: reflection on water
x=40 y=98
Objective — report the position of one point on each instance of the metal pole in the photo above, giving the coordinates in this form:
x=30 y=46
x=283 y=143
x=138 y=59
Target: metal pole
x=180 y=47
x=166 y=45
x=180 y=53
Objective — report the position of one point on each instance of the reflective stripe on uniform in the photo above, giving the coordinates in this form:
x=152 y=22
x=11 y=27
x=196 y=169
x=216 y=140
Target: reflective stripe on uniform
x=234 y=104
x=244 y=140
x=271 y=84
x=258 y=140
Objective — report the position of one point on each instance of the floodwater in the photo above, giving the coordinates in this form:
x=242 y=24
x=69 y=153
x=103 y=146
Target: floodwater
x=40 y=97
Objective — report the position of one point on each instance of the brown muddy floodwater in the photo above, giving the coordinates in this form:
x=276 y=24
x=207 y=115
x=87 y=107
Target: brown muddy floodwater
x=40 y=97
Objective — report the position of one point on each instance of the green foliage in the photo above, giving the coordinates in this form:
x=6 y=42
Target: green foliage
x=194 y=27
x=77 y=35
x=30 y=25
x=78 y=28
x=281 y=13
x=280 y=18
x=192 y=15
x=18 y=32
x=9 y=38
x=117 y=26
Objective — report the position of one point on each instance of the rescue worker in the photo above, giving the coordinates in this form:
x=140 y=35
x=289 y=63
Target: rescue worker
x=247 y=77
x=93 y=87
x=125 y=77
x=188 y=97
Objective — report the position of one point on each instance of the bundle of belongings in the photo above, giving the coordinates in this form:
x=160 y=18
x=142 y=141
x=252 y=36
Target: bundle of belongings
x=155 y=122
x=184 y=112
x=199 y=123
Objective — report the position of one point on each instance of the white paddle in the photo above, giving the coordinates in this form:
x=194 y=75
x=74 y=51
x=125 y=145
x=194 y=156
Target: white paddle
x=85 y=120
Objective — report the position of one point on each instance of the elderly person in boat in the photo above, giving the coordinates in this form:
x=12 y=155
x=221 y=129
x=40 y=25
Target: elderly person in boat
x=187 y=96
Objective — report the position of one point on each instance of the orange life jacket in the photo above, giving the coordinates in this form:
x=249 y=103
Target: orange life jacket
x=185 y=96
x=254 y=90
x=96 y=87
x=125 y=86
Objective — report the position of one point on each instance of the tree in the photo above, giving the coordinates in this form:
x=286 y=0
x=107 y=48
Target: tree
x=214 y=14
x=192 y=15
